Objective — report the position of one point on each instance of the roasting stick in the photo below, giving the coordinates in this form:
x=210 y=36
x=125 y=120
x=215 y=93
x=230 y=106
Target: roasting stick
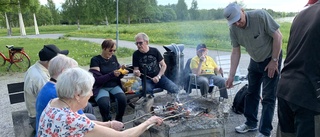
x=166 y=118
x=140 y=73
x=141 y=117
x=207 y=93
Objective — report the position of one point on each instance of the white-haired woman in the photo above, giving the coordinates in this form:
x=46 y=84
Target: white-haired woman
x=59 y=118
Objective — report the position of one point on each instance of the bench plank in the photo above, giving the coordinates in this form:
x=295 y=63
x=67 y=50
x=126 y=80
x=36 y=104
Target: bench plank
x=16 y=92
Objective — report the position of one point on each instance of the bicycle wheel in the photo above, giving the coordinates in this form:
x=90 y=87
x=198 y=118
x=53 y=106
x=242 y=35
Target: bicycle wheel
x=2 y=60
x=21 y=60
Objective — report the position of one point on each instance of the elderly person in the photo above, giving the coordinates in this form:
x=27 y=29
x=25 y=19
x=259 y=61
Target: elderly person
x=36 y=76
x=154 y=64
x=56 y=66
x=60 y=117
x=260 y=35
x=206 y=68
x=104 y=68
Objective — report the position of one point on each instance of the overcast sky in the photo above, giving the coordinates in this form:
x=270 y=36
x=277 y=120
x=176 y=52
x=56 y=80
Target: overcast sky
x=276 y=5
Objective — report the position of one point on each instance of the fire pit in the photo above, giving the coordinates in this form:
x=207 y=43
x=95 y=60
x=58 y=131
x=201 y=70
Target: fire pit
x=188 y=117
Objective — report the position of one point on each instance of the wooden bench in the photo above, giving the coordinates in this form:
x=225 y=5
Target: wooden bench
x=16 y=93
x=20 y=118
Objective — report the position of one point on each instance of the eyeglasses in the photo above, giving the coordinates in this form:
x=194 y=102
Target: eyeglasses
x=112 y=50
x=138 y=43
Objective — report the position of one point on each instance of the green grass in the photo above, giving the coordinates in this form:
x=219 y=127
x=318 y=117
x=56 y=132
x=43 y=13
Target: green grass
x=81 y=51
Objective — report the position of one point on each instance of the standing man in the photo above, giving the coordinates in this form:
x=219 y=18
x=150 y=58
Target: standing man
x=299 y=86
x=155 y=66
x=36 y=76
x=260 y=35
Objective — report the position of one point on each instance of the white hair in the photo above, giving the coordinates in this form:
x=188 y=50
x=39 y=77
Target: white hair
x=74 y=81
x=60 y=63
x=142 y=35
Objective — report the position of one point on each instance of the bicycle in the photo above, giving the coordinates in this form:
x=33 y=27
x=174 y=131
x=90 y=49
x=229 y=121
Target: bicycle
x=17 y=56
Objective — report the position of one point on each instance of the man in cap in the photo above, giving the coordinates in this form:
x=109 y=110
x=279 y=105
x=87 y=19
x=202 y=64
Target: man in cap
x=259 y=34
x=36 y=76
x=205 y=68
x=299 y=86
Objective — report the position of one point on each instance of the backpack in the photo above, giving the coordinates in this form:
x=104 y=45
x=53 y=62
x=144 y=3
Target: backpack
x=238 y=101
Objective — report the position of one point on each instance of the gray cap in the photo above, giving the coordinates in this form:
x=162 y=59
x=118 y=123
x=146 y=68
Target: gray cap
x=232 y=13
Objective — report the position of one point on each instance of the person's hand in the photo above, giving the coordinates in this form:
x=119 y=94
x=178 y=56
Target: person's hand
x=137 y=73
x=272 y=67
x=202 y=58
x=155 y=120
x=117 y=73
x=155 y=79
x=229 y=82
x=116 y=125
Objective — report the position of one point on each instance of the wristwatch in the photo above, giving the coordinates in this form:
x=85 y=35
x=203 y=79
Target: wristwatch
x=159 y=76
x=275 y=59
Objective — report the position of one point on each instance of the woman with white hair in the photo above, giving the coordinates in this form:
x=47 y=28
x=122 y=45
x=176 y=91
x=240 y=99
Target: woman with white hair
x=59 y=118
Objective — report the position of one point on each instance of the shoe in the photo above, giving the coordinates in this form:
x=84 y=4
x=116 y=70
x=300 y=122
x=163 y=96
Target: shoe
x=261 y=135
x=244 y=128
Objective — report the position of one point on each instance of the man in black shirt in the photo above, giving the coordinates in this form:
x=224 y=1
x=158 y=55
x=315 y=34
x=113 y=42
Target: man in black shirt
x=155 y=65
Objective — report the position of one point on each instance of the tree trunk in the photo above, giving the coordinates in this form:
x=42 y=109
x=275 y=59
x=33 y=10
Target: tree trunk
x=78 y=23
x=22 y=28
x=107 y=23
x=36 y=29
x=129 y=20
x=8 y=25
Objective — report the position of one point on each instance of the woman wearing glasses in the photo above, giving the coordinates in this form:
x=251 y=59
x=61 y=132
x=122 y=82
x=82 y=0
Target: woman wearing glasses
x=107 y=81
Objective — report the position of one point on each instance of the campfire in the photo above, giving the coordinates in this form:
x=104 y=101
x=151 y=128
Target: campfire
x=189 y=116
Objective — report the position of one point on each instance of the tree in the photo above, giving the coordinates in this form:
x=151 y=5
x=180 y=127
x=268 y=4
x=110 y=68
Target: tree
x=194 y=13
x=34 y=8
x=55 y=16
x=182 y=10
x=74 y=10
x=129 y=8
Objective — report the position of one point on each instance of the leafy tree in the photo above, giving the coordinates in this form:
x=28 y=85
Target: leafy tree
x=194 y=12
x=168 y=14
x=182 y=10
x=44 y=16
x=128 y=9
x=55 y=16
x=74 y=10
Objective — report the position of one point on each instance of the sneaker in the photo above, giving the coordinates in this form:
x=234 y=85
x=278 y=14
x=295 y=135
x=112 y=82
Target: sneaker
x=261 y=135
x=244 y=128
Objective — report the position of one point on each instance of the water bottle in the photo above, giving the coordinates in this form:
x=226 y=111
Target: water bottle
x=211 y=82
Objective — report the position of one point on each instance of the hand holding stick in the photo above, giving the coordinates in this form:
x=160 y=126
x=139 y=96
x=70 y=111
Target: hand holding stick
x=140 y=73
x=166 y=118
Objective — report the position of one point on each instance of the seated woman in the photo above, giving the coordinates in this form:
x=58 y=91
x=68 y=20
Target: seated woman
x=107 y=81
x=60 y=117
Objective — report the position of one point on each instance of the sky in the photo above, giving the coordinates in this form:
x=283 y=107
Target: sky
x=276 y=5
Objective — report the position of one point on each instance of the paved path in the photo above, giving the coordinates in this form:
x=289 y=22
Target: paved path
x=6 y=130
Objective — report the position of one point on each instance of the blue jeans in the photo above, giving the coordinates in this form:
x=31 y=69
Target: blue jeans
x=163 y=83
x=256 y=76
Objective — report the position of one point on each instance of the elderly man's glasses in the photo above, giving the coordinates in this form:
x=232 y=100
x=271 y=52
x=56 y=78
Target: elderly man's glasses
x=139 y=43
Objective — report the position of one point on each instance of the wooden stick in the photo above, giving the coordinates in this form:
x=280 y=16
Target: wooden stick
x=166 y=118
x=140 y=73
